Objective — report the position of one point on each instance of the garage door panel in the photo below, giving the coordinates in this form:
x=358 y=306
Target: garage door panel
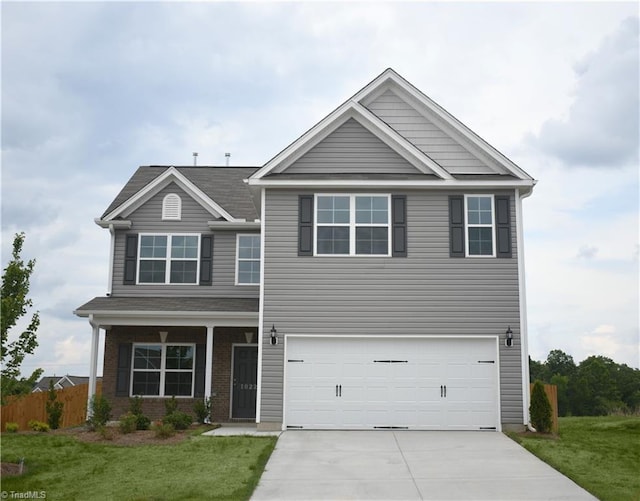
x=418 y=383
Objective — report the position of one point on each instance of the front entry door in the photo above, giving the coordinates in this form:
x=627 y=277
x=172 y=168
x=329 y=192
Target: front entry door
x=245 y=382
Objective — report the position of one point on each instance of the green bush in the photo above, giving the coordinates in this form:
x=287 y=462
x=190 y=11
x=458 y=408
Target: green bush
x=101 y=412
x=54 y=407
x=38 y=425
x=540 y=409
x=179 y=420
x=128 y=423
x=105 y=432
x=135 y=408
x=11 y=427
x=162 y=430
x=170 y=405
x=202 y=410
x=142 y=422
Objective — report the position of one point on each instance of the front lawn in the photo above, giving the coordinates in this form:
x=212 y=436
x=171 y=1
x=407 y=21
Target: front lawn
x=601 y=454
x=198 y=468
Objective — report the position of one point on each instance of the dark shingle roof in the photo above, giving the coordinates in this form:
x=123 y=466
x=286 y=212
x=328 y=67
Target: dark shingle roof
x=224 y=185
x=186 y=304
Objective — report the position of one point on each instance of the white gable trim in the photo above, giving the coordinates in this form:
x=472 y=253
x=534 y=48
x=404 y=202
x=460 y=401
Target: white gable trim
x=170 y=175
x=369 y=121
x=389 y=78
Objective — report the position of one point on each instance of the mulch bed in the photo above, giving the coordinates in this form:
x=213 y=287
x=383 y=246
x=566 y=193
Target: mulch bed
x=10 y=470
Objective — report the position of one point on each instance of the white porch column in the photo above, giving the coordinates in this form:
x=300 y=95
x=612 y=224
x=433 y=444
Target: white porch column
x=208 y=373
x=93 y=365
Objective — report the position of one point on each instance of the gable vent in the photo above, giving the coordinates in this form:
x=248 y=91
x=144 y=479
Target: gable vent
x=171 y=207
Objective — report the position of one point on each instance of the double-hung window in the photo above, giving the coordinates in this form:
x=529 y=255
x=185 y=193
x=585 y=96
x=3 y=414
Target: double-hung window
x=352 y=225
x=480 y=223
x=168 y=259
x=248 y=260
x=163 y=370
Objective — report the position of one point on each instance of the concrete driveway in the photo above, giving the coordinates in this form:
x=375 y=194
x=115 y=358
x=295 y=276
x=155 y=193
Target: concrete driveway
x=340 y=465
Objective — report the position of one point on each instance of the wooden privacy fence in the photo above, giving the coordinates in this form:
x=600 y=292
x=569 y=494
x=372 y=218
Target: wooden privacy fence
x=552 y=394
x=22 y=409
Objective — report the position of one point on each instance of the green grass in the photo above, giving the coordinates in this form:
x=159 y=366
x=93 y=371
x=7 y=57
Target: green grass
x=601 y=454
x=199 y=468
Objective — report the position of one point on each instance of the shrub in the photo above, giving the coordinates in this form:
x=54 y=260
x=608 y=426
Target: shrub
x=105 y=432
x=179 y=420
x=38 y=425
x=101 y=412
x=54 y=407
x=128 y=423
x=142 y=422
x=202 y=410
x=135 y=408
x=163 y=430
x=540 y=409
x=170 y=405
x=11 y=427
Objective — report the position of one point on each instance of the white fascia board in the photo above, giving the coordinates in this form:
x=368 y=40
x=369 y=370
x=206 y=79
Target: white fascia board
x=369 y=121
x=453 y=184
x=450 y=120
x=171 y=174
x=172 y=318
x=117 y=224
x=398 y=143
x=241 y=225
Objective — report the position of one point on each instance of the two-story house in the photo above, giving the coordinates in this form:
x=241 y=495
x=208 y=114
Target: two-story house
x=370 y=275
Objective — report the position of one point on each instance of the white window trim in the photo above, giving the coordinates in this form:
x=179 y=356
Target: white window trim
x=163 y=369
x=166 y=214
x=352 y=223
x=492 y=225
x=259 y=259
x=167 y=258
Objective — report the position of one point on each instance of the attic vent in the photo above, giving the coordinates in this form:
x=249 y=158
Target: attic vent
x=171 y=207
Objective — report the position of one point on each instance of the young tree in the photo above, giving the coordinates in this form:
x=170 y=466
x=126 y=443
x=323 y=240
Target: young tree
x=540 y=409
x=15 y=289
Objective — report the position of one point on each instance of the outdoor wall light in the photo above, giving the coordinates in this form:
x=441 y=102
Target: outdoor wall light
x=274 y=335
x=509 y=337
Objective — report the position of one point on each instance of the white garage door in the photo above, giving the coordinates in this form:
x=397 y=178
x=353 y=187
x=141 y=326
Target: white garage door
x=413 y=383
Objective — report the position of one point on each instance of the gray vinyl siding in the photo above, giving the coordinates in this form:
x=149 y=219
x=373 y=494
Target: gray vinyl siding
x=351 y=149
x=148 y=219
x=426 y=293
x=427 y=136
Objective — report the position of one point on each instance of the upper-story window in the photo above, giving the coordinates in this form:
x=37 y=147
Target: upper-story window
x=248 y=260
x=352 y=225
x=168 y=259
x=480 y=225
x=171 y=207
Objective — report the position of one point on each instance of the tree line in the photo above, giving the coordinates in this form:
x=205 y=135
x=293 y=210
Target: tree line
x=597 y=386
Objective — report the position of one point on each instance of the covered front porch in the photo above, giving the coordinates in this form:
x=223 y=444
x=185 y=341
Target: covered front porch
x=193 y=348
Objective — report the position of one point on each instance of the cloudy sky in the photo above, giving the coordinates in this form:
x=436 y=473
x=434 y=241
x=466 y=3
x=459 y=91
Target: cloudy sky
x=90 y=91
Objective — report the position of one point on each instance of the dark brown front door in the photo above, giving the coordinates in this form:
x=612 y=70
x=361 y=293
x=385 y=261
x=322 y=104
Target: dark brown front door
x=245 y=381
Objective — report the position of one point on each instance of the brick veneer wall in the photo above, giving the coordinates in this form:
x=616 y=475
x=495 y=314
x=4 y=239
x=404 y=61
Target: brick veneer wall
x=154 y=408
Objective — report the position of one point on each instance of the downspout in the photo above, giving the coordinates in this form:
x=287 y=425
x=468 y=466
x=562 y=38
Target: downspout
x=524 y=337
x=112 y=250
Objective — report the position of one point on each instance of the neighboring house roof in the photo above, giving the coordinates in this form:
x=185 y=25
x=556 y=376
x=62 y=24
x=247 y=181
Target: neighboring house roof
x=221 y=190
x=498 y=169
x=60 y=382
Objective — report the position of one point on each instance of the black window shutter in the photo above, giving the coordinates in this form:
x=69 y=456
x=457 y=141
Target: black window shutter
x=503 y=226
x=456 y=226
x=399 y=228
x=124 y=370
x=201 y=353
x=130 y=259
x=305 y=225
x=206 y=259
